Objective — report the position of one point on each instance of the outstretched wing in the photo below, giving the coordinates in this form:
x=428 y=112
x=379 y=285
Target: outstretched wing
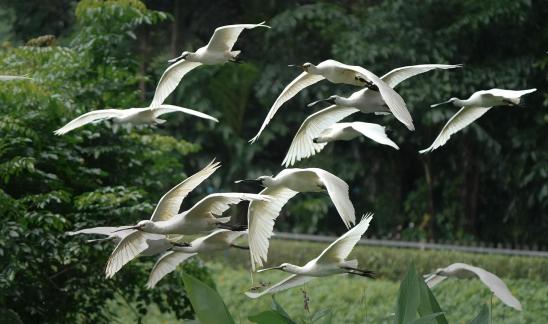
x=170 y=79
x=302 y=146
x=216 y=204
x=464 y=117
x=224 y=37
x=493 y=282
x=392 y=99
x=90 y=117
x=165 y=109
x=126 y=250
x=302 y=81
x=260 y=219
x=167 y=263
x=394 y=77
x=373 y=131
x=289 y=282
x=339 y=250
x=169 y=204
x=338 y=192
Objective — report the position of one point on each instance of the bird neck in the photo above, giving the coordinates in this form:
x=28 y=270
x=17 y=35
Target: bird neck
x=312 y=69
x=345 y=102
x=269 y=182
x=294 y=269
x=192 y=57
x=159 y=227
x=459 y=102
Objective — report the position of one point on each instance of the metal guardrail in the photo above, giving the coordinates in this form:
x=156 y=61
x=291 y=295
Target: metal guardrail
x=415 y=245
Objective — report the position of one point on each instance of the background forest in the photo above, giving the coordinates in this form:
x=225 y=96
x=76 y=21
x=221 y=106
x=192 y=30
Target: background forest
x=488 y=184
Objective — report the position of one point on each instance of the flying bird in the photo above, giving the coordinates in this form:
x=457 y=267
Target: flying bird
x=304 y=146
x=132 y=116
x=286 y=184
x=218 y=240
x=201 y=218
x=331 y=261
x=463 y=270
x=473 y=108
x=217 y=51
x=381 y=95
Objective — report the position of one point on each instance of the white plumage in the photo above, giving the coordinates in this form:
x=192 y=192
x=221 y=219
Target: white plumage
x=217 y=51
x=461 y=270
x=133 y=116
x=281 y=188
x=473 y=108
x=330 y=262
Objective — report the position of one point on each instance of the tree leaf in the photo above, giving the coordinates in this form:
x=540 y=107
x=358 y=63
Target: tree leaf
x=207 y=303
x=428 y=303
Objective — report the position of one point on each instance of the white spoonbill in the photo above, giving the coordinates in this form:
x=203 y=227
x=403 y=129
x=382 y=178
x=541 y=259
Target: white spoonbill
x=331 y=261
x=303 y=146
x=218 y=240
x=463 y=270
x=217 y=51
x=166 y=220
x=286 y=184
x=132 y=116
x=473 y=108
x=382 y=95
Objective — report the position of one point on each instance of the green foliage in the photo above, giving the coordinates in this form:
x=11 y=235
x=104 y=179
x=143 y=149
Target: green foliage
x=207 y=303
x=482 y=317
x=415 y=298
x=91 y=177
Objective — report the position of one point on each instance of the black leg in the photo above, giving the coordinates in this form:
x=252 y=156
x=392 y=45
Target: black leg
x=232 y=227
x=360 y=272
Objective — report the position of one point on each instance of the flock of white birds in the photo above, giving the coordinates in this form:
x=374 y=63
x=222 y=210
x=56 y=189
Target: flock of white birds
x=164 y=233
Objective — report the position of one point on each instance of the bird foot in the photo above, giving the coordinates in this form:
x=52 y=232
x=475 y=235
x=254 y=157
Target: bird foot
x=237 y=227
x=183 y=244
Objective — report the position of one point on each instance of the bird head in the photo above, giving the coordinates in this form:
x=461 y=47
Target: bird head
x=332 y=100
x=305 y=67
x=282 y=267
x=262 y=180
x=452 y=100
x=183 y=56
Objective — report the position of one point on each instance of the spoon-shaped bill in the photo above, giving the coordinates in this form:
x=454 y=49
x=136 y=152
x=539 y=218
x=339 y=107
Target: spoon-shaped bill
x=178 y=58
x=441 y=103
x=127 y=228
x=247 y=180
x=272 y=268
x=317 y=102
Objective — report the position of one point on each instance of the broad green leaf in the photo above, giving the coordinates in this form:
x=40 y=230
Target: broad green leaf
x=408 y=297
x=482 y=317
x=428 y=303
x=279 y=309
x=208 y=305
x=270 y=317
x=430 y=318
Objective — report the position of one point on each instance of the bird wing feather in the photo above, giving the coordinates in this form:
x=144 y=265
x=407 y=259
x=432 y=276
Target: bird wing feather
x=338 y=192
x=287 y=283
x=169 y=204
x=170 y=79
x=375 y=132
x=464 y=117
x=396 y=76
x=166 y=263
x=126 y=250
x=216 y=204
x=165 y=109
x=260 y=219
x=302 y=145
x=225 y=37
x=299 y=83
x=339 y=250
x=392 y=99
x=91 y=117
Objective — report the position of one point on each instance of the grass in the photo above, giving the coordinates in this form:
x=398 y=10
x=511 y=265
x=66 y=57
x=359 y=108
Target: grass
x=357 y=300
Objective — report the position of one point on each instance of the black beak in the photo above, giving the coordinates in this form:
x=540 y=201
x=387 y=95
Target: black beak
x=273 y=268
x=137 y=227
x=248 y=180
x=177 y=59
x=318 y=101
x=297 y=66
